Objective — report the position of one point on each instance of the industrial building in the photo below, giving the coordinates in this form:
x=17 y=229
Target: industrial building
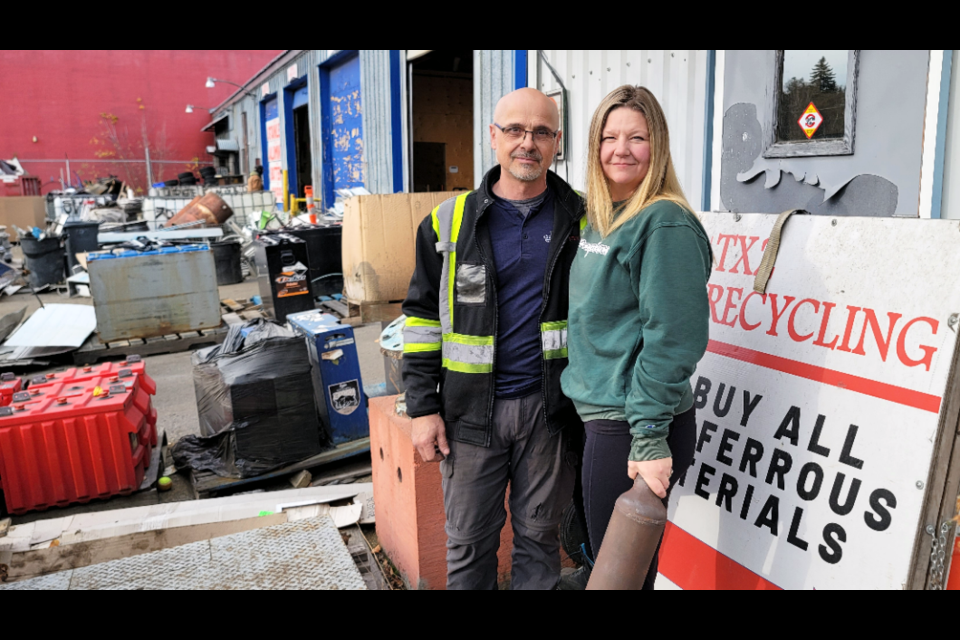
x=402 y=121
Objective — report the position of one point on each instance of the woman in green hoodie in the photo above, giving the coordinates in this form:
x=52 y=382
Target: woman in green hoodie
x=638 y=310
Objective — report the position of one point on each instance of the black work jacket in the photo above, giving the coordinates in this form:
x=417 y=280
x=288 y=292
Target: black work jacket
x=465 y=399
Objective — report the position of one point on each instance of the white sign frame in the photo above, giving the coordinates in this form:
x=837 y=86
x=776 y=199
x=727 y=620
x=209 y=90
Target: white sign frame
x=877 y=409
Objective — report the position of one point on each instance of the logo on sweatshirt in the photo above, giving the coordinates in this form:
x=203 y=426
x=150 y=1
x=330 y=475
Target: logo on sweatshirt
x=594 y=247
x=548 y=237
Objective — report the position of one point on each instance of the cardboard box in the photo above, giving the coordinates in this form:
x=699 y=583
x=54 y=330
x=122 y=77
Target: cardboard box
x=379 y=236
x=25 y=212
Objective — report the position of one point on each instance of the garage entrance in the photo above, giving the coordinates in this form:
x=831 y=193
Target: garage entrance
x=441 y=119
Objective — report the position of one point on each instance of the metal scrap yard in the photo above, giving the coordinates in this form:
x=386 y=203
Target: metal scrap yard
x=479 y=319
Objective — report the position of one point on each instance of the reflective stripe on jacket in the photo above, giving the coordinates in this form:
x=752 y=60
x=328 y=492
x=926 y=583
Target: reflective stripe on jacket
x=450 y=348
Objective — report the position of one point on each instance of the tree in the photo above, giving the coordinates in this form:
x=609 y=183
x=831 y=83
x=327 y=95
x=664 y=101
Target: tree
x=116 y=145
x=794 y=86
x=823 y=77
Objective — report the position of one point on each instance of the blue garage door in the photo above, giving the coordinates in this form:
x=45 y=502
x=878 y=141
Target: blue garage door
x=342 y=128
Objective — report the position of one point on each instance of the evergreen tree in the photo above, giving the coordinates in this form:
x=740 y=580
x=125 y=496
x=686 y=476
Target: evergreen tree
x=823 y=77
x=794 y=85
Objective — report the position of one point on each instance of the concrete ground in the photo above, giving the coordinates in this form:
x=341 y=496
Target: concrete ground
x=175 y=400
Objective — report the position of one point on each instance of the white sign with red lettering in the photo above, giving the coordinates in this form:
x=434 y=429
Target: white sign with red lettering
x=818 y=404
x=274 y=158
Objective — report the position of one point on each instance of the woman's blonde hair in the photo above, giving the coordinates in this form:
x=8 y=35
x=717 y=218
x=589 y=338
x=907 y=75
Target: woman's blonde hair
x=661 y=181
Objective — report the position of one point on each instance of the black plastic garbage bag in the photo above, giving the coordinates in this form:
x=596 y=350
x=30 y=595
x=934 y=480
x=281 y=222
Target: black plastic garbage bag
x=255 y=402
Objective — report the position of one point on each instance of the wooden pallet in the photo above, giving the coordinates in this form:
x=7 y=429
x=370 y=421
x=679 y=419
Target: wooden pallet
x=356 y=313
x=93 y=351
x=209 y=485
x=336 y=307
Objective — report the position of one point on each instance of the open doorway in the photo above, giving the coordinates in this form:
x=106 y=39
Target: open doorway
x=297 y=132
x=301 y=137
x=441 y=120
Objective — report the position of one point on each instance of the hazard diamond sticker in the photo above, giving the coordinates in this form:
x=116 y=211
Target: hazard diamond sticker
x=811 y=120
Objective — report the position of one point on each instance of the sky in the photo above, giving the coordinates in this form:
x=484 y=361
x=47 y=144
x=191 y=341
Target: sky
x=797 y=63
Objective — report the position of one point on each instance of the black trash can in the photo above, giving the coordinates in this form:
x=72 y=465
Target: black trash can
x=44 y=260
x=324 y=250
x=81 y=236
x=226 y=256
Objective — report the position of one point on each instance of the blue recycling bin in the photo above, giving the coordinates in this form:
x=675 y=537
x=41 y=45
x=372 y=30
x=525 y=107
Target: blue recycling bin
x=335 y=370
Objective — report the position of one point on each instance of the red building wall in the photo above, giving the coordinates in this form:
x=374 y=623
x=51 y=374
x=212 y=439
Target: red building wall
x=97 y=106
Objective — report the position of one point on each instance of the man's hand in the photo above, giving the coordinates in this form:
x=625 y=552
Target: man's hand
x=656 y=473
x=430 y=434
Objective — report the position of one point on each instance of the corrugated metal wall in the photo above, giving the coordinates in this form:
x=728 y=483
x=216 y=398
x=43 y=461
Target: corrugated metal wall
x=677 y=77
x=492 y=79
x=306 y=63
x=252 y=108
x=376 y=105
x=950 y=199
x=377 y=119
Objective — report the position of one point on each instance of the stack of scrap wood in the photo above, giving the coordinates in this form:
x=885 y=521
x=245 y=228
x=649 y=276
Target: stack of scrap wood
x=240 y=311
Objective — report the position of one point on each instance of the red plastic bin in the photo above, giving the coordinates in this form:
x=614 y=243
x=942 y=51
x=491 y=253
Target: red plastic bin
x=137 y=387
x=127 y=372
x=134 y=364
x=60 y=446
x=9 y=385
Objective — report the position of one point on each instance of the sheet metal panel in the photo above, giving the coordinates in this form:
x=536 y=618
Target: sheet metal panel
x=377 y=116
x=154 y=295
x=492 y=79
x=950 y=204
x=55 y=325
x=677 y=77
x=308 y=554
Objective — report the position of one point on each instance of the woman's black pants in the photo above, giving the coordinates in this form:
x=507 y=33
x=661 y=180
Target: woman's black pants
x=605 y=471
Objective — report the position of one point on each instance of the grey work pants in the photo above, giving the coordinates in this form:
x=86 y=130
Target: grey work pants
x=540 y=469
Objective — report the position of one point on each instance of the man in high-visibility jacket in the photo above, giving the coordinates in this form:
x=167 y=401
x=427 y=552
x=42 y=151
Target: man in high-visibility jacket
x=485 y=344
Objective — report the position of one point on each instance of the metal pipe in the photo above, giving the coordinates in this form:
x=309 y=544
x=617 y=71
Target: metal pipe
x=630 y=541
x=146 y=152
x=184 y=225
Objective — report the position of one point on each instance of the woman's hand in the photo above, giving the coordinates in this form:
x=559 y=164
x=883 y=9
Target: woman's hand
x=656 y=473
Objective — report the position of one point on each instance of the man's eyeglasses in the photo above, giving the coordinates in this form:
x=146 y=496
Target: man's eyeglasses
x=518 y=133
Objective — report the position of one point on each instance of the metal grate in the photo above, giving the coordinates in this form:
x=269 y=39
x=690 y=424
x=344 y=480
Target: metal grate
x=162 y=204
x=308 y=554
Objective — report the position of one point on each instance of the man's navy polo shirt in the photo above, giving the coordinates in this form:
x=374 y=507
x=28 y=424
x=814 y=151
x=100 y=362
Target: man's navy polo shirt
x=521 y=249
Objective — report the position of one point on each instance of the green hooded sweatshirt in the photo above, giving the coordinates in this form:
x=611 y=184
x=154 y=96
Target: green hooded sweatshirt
x=638 y=323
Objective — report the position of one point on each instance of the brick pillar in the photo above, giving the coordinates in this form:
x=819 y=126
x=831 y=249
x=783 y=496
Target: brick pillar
x=409 y=502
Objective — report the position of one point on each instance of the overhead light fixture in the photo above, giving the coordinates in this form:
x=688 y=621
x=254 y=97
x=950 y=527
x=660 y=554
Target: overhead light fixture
x=210 y=83
x=189 y=108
